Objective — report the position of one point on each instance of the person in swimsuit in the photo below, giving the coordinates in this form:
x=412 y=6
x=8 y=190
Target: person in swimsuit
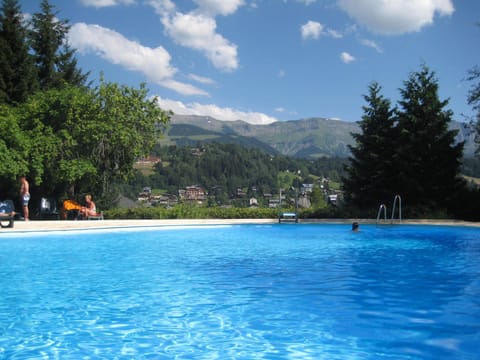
x=24 y=196
x=89 y=209
x=355 y=227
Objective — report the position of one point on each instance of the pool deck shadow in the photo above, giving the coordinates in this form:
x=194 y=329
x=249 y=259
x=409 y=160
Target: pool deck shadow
x=65 y=225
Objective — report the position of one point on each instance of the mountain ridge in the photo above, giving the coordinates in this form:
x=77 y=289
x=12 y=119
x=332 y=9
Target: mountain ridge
x=304 y=138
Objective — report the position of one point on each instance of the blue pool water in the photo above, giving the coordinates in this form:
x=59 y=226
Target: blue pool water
x=280 y=291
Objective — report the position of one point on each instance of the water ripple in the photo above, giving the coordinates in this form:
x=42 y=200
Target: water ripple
x=243 y=292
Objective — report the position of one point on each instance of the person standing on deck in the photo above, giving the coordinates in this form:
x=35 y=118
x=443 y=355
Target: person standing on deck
x=24 y=196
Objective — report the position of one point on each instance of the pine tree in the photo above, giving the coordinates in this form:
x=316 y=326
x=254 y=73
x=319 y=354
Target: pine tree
x=429 y=158
x=474 y=93
x=47 y=35
x=17 y=79
x=369 y=177
x=54 y=57
x=474 y=100
x=68 y=70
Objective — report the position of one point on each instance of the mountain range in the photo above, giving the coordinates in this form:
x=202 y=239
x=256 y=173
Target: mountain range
x=304 y=138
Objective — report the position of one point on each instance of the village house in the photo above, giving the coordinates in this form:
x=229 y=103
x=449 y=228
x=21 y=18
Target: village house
x=273 y=203
x=193 y=193
x=149 y=160
x=306 y=188
x=241 y=193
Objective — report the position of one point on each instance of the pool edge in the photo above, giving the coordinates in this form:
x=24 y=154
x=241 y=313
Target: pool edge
x=66 y=225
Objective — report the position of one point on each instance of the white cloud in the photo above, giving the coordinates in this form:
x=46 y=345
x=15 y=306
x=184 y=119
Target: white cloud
x=392 y=17
x=115 y=48
x=154 y=63
x=346 y=57
x=372 y=44
x=161 y=7
x=218 y=7
x=201 y=79
x=198 y=29
x=224 y=114
x=311 y=30
x=334 y=34
x=182 y=88
x=198 y=32
x=281 y=73
x=106 y=3
x=307 y=2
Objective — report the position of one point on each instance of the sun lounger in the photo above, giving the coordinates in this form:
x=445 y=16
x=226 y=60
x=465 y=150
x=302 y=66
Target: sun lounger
x=7 y=213
x=288 y=217
x=48 y=209
x=97 y=216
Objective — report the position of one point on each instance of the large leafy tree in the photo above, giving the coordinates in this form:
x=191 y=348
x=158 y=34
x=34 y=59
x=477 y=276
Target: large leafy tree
x=14 y=147
x=370 y=173
x=54 y=121
x=428 y=156
x=17 y=71
x=125 y=128
x=83 y=140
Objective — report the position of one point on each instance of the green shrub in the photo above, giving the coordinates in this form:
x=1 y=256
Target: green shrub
x=191 y=212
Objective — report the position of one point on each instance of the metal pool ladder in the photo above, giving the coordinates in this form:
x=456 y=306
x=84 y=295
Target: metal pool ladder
x=399 y=199
x=383 y=208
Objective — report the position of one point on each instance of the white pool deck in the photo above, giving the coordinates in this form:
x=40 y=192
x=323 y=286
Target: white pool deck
x=66 y=225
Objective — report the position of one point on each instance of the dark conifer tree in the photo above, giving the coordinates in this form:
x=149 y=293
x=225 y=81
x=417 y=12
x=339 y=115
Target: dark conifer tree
x=370 y=172
x=68 y=69
x=429 y=157
x=474 y=93
x=474 y=100
x=17 y=72
x=54 y=57
x=47 y=36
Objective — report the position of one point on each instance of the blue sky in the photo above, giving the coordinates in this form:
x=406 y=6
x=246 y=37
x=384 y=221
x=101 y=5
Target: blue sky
x=274 y=60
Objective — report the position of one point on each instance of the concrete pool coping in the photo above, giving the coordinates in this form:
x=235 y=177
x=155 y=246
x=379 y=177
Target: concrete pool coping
x=65 y=225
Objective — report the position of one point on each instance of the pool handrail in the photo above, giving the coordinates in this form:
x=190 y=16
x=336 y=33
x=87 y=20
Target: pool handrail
x=384 y=208
x=399 y=198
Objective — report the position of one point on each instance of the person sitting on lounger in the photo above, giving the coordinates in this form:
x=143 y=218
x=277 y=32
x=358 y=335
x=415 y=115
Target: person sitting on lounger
x=6 y=213
x=6 y=210
x=89 y=209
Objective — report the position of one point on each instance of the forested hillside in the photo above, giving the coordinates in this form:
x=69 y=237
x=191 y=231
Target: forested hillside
x=224 y=168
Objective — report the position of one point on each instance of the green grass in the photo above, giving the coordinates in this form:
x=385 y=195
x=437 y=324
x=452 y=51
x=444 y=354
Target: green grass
x=145 y=169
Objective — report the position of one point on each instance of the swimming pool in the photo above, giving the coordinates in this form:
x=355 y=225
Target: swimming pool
x=283 y=291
